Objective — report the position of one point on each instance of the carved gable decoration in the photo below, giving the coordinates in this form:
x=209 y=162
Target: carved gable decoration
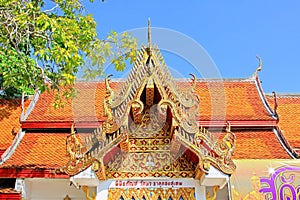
x=150 y=77
x=151 y=129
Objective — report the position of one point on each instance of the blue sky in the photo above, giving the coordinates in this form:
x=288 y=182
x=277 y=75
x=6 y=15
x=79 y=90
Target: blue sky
x=232 y=33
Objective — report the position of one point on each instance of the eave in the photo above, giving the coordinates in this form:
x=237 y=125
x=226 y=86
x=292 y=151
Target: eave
x=238 y=123
x=95 y=124
x=59 y=124
x=30 y=173
x=11 y=196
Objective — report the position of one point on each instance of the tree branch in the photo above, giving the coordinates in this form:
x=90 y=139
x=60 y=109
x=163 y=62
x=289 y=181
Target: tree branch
x=50 y=10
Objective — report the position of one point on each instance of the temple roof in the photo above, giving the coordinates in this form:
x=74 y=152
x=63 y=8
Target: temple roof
x=240 y=98
x=201 y=122
x=40 y=150
x=48 y=150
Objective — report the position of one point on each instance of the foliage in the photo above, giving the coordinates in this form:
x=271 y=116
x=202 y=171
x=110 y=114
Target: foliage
x=44 y=49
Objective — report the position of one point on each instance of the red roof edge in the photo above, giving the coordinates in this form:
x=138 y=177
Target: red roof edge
x=30 y=173
x=10 y=196
x=59 y=124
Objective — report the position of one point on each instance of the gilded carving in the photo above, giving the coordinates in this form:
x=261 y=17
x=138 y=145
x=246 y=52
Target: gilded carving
x=153 y=193
x=194 y=82
x=108 y=99
x=157 y=164
x=149 y=119
x=86 y=190
x=227 y=145
x=214 y=193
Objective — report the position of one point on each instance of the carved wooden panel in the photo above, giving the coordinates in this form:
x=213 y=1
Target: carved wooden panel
x=151 y=164
x=151 y=194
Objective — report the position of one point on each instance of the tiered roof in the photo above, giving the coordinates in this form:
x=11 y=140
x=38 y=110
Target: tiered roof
x=220 y=100
x=237 y=105
x=47 y=150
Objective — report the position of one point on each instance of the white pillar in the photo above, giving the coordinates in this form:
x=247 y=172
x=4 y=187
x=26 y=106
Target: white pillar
x=200 y=192
x=102 y=190
x=20 y=187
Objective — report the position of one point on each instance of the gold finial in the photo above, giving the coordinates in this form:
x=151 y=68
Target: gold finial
x=228 y=128
x=260 y=64
x=149 y=33
x=194 y=81
x=73 y=129
x=67 y=197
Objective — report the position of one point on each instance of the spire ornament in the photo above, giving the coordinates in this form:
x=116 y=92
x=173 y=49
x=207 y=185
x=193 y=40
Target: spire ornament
x=259 y=68
x=149 y=34
x=275 y=103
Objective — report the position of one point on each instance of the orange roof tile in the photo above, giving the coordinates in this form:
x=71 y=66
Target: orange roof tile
x=87 y=106
x=289 y=118
x=227 y=100
x=230 y=100
x=40 y=150
x=256 y=144
x=10 y=112
x=48 y=150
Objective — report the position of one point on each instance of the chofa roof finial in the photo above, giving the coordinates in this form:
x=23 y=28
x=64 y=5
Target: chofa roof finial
x=149 y=33
x=259 y=66
x=275 y=103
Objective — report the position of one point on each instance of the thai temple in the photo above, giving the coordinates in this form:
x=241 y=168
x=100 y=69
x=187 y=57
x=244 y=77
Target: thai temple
x=153 y=137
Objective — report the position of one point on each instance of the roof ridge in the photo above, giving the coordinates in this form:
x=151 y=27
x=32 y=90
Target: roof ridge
x=225 y=79
x=187 y=79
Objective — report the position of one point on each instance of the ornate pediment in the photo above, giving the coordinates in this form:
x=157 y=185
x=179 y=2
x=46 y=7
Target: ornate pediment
x=151 y=80
x=151 y=128
x=150 y=164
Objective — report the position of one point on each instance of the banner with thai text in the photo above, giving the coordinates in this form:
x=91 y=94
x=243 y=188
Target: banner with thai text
x=266 y=180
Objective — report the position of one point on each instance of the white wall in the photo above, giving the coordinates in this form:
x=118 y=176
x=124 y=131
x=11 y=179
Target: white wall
x=51 y=189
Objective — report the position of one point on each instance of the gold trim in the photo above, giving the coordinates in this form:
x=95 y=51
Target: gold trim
x=177 y=109
x=86 y=190
x=149 y=194
x=214 y=194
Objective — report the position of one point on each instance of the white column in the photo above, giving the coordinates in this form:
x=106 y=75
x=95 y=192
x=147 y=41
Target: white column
x=102 y=190
x=20 y=187
x=200 y=192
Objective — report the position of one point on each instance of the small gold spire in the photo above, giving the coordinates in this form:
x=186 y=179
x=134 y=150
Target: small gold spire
x=228 y=127
x=149 y=34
